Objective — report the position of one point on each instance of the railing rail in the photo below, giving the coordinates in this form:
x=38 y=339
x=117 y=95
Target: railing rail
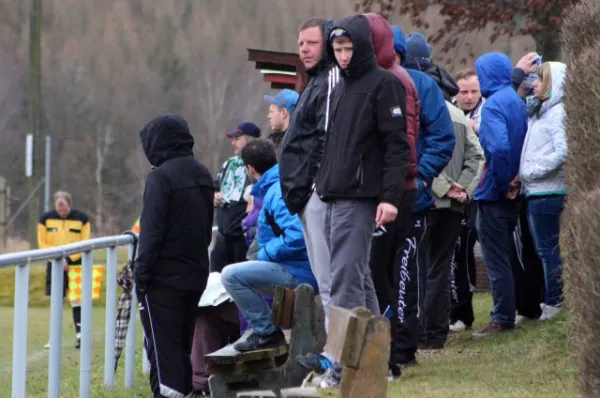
x=56 y=255
x=22 y=261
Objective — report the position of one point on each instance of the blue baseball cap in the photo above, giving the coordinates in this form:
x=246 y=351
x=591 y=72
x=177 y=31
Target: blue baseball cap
x=246 y=128
x=285 y=99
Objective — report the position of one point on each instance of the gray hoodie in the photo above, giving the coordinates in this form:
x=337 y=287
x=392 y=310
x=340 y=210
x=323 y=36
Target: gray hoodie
x=545 y=148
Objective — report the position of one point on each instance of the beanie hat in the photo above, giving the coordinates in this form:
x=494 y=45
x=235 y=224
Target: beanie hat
x=417 y=46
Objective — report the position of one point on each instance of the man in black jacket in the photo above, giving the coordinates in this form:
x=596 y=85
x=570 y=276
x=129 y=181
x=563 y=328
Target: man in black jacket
x=171 y=270
x=361 y=177
x=302 y=148
x=362 y=172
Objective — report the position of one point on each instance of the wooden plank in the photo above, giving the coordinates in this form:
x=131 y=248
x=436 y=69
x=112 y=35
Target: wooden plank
x=346 y=332
x=369 y=379
x=287 y=317
x=256 y=394
x=280 y=79
x=228 y=355
x=277 y=308
x=300 y=392
x=273 y=57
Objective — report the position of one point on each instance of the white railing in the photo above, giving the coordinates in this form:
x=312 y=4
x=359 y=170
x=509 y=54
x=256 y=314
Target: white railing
x=22 y=261
x=56 y=255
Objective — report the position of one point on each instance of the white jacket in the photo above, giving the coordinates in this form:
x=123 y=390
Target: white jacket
x=545 y=148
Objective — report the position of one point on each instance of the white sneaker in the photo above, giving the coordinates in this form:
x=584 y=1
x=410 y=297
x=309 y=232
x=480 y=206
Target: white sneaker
x=520 y=319
x=458 y=326
x=549 y=311
x=47 y=346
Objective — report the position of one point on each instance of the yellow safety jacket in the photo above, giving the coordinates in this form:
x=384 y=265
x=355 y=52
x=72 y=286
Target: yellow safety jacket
x=56 y=231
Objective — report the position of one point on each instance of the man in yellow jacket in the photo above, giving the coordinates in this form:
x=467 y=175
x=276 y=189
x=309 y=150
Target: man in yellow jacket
x=62 y=226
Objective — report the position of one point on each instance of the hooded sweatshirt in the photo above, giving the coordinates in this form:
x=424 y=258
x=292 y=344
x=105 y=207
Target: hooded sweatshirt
x=177 y=210
x=436 y=135
x=503 y=126
x=383 y=42
x=366 y=149
x=545 y=149
x=418 y=56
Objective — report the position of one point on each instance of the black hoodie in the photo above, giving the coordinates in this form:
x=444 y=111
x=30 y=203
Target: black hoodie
x=177 y=214
x=366 y=150
x=302 y=145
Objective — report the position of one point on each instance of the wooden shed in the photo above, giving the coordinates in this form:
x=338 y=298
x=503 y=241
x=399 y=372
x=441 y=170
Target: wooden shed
x=281 y=70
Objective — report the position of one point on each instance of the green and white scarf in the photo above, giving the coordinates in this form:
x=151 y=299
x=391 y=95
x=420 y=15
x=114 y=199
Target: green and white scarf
x=234 y=180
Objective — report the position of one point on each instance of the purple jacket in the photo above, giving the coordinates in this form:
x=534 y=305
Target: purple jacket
x=250 y=222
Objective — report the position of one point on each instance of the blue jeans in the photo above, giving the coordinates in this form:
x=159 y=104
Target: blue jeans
x=544 y=223
x=496 y=222
x=247 y=282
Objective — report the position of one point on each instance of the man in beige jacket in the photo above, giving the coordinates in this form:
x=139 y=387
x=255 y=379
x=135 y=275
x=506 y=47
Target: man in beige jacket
x=452 y=189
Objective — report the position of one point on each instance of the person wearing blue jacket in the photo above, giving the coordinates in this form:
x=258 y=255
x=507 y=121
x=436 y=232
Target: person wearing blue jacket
x=434 y=151
x=282 y=259
x=501 y=134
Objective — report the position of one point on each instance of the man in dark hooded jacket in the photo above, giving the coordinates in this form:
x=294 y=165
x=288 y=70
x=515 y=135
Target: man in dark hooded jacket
x=362 y=173
x=171 y=270
x=418 y=56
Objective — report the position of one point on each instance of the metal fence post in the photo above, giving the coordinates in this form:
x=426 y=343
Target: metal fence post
x=19 y=360
x=130 y=344
x=111 y=317
x=56 y=317
x=85 y=364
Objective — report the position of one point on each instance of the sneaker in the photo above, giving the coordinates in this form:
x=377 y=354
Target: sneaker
x=330 y=379
x=458 y=326
x=256 y=342
x=489 y=330
x=314 y=362
x=78 y=342
x=47 y=346
x=549 y=311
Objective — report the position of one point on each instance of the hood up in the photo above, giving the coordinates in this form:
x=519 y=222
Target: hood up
x=494 y=71
x=166 y=137
x=383 y=40
x=363 y=57
x=559 y=75
x=399 y=42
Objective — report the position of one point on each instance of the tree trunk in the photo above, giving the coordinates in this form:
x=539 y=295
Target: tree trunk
x=549 y=45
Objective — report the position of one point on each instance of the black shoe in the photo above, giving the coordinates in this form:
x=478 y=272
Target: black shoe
x=395 y=372
x=201 y=393
x=256 y=342
x=78 y=343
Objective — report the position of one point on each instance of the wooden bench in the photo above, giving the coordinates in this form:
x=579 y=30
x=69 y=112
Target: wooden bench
x=300 y=315
x=360 y=343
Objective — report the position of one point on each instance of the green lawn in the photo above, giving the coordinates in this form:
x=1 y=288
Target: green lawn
x=531 y=362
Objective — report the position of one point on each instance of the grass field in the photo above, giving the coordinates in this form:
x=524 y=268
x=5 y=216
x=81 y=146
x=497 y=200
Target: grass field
x=531 y=362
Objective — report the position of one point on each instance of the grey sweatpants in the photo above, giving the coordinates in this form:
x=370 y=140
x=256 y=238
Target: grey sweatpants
x=313 y=223
x=349 y=226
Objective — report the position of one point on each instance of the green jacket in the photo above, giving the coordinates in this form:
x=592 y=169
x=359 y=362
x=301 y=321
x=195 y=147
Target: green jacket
x=465 y=167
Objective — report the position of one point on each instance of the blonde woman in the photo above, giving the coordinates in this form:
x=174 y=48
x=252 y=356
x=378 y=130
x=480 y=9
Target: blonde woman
x=542 y=177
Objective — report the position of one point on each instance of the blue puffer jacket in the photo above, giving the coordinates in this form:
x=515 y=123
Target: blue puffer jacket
x=436 y=133
x=503 y=126
x=279 y=234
